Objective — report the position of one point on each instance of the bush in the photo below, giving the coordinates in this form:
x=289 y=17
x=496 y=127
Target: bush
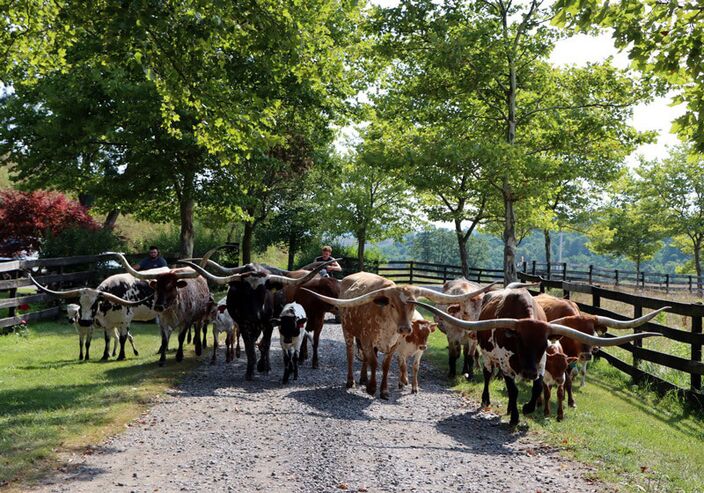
x=27 y=218
x=79 y=241
x=169 y=241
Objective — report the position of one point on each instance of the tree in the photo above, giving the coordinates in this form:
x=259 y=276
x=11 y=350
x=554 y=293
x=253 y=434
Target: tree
x=626 y=228
x=27 y=218
x=368 y=201
x=674 y=193
x=662 y=37
x=486 y=63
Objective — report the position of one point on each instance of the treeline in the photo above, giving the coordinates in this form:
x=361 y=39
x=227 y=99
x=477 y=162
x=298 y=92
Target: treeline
x=228 y=115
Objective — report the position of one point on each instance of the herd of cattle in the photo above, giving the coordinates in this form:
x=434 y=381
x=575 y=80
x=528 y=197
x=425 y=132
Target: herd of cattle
x=541 y=339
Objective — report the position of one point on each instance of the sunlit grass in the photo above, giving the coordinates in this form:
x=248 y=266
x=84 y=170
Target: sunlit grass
x=52 y=402
x=635 y=440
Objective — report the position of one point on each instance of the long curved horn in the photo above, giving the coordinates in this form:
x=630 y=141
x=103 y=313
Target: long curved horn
x=211 y=277
x=520 y=285
x=629 y=324
x=448 y=299
x=351 y=302
x=71 y=293
x=594 y=340
x=121 y=258
x=475 y=326
x=290 y=281
x=214 y=264
x=121 y=301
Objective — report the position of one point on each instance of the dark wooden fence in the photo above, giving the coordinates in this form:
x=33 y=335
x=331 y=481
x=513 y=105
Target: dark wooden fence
x=595 y=275
x=411 y=271
x=694 y=337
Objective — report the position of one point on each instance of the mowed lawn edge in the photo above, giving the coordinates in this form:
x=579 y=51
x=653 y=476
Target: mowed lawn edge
x=52 y=403
x=635 y=440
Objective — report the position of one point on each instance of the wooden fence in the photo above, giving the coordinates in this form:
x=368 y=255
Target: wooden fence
x=644 y=280
x=411 y=271
x=694 y=337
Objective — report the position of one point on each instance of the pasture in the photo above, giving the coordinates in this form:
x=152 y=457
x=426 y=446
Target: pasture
x=50 y=402
x=636 y=440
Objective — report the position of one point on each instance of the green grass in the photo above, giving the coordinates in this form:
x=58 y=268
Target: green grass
x=50 y=402
x=635 y=440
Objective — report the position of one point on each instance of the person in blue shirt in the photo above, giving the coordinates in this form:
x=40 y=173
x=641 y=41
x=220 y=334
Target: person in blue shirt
x=153 y=261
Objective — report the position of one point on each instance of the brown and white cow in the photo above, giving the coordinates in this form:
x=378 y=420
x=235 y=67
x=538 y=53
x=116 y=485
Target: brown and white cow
x=377 y=312
x=556 y=365
x=181 y=298
x=517 y=347
x=413 y=344
x=461 y=341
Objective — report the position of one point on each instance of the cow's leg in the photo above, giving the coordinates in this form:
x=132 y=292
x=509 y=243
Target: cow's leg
x=529 y=406
x=402 y=372
x=181 y=339
x=349 y=345
x=584 y=373
x=106 y=353
x=230 y=343
x=196 y=338
x=316 y=344
x=546 y=399
x=215 y=347
x=287 y=365
x=131 y=339
x=485 y=393
x=263 y=366
x=116 y=339
x=123 y=340
x=81 y=338
x=295 y=362
x=416 y=367
x=250 y=341
x=560 y=399
x=303 y=352
x=205 y=333
x=165 y=334
x=512 y=400
x=363 y=373
x=188 y=340
x=385 y=365
x=468 y=362
x=89 y=337
x=453 y=350
x=238 y=351
x=568 y=386
x=370 y=357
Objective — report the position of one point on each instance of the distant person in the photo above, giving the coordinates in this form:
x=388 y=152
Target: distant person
x=326 y=254
x=153 y=261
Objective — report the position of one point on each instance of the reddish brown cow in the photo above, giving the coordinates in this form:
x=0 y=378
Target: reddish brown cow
x=413 y=344
x=517 y=347
x=556 y=364
x=377 y=313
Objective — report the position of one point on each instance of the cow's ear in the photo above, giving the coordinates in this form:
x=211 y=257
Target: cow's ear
x=433 y=326
x=275 y=321
x=302 y=322
x=571 y=359
x=381 y=300
x=222 y=308
x=152 y=284
x=454 y=310
x=554 y=338
x=181 y=284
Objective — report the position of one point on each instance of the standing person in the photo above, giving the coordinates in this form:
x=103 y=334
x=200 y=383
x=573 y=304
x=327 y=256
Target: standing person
x=325 y=255
x=153 y=261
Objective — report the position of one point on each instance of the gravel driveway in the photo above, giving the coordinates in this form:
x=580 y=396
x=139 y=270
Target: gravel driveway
x=218 y=432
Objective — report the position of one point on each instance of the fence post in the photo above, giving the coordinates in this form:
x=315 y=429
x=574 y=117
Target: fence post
x=444 y=273
x=479 y=276
x=12 y=293
x=642 y=280
x=637 y=313
x=690 y=284
x=564 y=271
x=591 y=271
x=533 y=268
x=667 y=283
x=549 y=270
x=696 y=380
x=410 y=273
x=616 y=272
x=596 y=298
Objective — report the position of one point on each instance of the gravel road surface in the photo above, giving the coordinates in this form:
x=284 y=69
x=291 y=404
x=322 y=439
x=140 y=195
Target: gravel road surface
x=217 y=432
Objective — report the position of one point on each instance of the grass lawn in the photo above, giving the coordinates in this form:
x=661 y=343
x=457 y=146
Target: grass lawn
x=637 y=441
x=50 y=402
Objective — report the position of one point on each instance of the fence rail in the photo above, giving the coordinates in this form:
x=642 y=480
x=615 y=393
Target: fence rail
x=651 y=280
x=694 y=337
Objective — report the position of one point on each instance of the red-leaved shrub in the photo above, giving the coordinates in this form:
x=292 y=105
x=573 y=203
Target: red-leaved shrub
x=26 y=218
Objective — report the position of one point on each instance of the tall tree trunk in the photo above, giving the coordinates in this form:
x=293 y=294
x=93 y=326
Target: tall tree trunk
x=247 y=242
x=462 y=245
x=111 y=219
x=361 y=240
x=231 y=232
x=187 y=232
x=509 y=236
x=292 y=245
x=548 y=247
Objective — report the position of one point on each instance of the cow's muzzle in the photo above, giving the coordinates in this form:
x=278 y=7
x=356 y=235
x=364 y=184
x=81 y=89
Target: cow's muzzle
x=85 y=323
x=530 y=375
x=404 y=329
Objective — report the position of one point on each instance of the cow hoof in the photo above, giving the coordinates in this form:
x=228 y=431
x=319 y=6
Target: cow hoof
x=572 y=404
x=414 y=391
x=179 y=357
x=384 y=395
x=212 y=361
x=371 y=390
x=248 y=376
x=468 y=376
x=315 y=363
x=400 y=385
x=105 y=357
x=162 y=363
x=528 y=409
x=513 y=423
x=86 y=358
x=363 y=380
x=560 y=417
x=350 y=384
x=237 y=352
x=136 y=353
x=121 y=357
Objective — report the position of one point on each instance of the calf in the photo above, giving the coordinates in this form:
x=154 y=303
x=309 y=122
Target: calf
x=222 y=322
x=292 y=329
x=413 y=344
x=556 y=364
